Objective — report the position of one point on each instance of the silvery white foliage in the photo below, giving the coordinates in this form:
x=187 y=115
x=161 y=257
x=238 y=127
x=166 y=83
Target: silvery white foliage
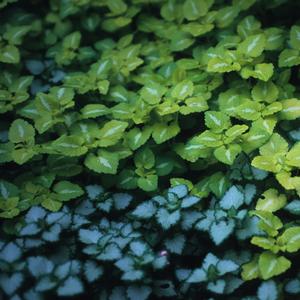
x=221 y=269
x=45 y=225
x=138 y=292
x=11 y=283
x=39 y=266
x=10 y=252
x=94 y=191
x=293 y=286
x=92 y=270
x=268 y=291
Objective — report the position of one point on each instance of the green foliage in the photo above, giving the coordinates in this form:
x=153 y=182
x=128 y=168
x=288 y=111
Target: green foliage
x=185 y=115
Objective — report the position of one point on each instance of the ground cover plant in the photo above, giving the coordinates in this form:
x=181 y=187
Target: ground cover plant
x=149 y=149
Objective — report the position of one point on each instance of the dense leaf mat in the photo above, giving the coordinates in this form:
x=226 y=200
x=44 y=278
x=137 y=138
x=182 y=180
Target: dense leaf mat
x=171 y=128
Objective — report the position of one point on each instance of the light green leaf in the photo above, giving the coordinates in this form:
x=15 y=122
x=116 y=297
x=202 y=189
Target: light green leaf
x=105 y=162
x=293 y=156
x=265 y=91
x=183 y=89
x=266 y=243
x=148 y=183
x=290 y=109
x=253 y=45
x=268 y=222
x=194 y=104
x=10 y=55
x=271 y=265
x=70 y=145
x=250 y=270
x=181 y=41
x=22 y=155
x=276 y=145
x=21 y=131
x=271 y=201
x=290 y=239
x=153 y=92
x=235 y=131
x=227 y=155
x=249 y=110
x=162 y=132
x=210 y=139
x=144 y=158
x=193 y=9
x=265 y=163
x=137 y=137
x=66 y=190
x=93 y=111
x=289 y=58
x=192 y=150
x=261 y=71
x=111 y=133
x=295 y=37
x=217 y=121
x=222 y=65
x=52 y=205
x=275 y=38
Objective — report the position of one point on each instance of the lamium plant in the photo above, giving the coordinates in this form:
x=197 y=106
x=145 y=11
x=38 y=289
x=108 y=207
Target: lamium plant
x=149 y=149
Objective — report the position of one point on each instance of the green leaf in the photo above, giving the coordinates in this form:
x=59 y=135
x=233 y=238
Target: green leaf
x=228 y=154
x=148 y=183
x=210 y=139
x=105 y=162
x=127 y=179
x=271 y=265
x=153 y=92
x=249 y=110
x=290 y=109
x=162 y=132
x=217 y=121
x=293 y=156
x=295 y=37
x=144 y=158
x=21 y=131
x=20 y=156
x=52 y=205
x=111 y=133
x=253 y=45
x=66 y=190
x=290 y=239
x=265 y=91
x=117 y=7
x=15 y=34
x=289 y=58
x=222 y=65
x=268 y=222
x=265 y=243
x=261 y=71
x=5 y=152
x=192 y=150
x=183 y=89
x=93 y=111
x=271 y=201
x=137 y=137
x=250 y=270
x=181 y=41
x=70 y=145
x=193 y=9
x=194 y=104
x=10 y=55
